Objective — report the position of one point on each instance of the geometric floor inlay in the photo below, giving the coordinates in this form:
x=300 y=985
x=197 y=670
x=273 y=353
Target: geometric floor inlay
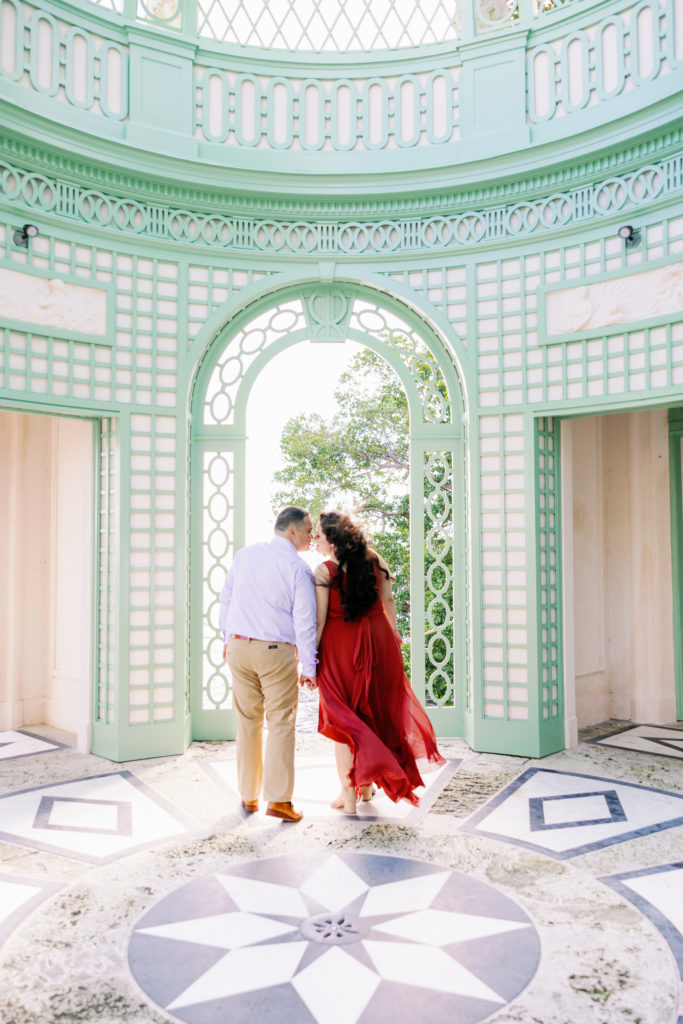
x=334 y=938
x=19 y=743
x=565 y=814
x=316 y=783
x=647 y=739
x=95 y=819
x=658 y=893
x=18 y=897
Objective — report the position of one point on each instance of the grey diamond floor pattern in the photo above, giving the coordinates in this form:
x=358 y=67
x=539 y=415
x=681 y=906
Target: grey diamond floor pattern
x=554 y=879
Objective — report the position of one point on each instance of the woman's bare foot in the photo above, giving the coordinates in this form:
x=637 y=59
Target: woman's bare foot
x=367 y=792
x=346 y=801
x=349 y=805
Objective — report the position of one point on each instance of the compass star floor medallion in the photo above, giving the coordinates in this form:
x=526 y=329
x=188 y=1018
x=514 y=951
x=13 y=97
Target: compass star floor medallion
x=335 y=938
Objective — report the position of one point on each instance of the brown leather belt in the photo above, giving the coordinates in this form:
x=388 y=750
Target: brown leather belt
x=238 y=636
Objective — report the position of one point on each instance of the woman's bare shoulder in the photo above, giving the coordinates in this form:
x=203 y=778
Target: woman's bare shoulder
x=381 y=563
x=322 y=573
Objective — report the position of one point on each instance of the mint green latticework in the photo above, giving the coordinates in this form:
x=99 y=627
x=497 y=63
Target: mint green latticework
x=505 y=503
x=108 y=513
x=209 y=287
x=218 y=527
x=152 y=568
x=549 y=586
x=227 y=376
x=332 y=25
x=440 y=674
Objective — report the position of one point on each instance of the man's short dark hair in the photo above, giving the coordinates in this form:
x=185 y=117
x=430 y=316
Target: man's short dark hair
x=290 y=515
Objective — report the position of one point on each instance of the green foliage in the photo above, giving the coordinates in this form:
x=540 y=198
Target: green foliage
x=358 y=460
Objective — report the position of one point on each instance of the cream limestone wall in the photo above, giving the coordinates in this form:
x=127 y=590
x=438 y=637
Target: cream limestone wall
x=622 y=621
x=69 y=685
x=46 y=569
x=593 y=701
x=24 y=564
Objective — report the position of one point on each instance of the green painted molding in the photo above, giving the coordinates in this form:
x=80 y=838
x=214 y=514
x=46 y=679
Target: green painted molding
x=164 y=180
x=385 y=238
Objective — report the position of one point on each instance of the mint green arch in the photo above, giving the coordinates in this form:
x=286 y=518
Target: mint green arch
x=438 y=485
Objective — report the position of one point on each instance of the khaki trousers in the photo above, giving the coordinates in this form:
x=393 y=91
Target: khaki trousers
x=264 y=678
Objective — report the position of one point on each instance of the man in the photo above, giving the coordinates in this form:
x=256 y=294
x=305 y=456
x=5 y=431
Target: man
x=267 y=616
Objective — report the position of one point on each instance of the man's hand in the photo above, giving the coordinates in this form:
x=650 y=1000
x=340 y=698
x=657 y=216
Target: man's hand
x=310 y=682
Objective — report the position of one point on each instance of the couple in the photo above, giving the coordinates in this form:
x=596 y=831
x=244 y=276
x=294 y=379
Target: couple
x=274 y=612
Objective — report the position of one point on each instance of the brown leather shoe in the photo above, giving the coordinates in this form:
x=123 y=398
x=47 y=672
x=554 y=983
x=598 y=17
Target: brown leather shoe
x=284 y=811
x=250 y=806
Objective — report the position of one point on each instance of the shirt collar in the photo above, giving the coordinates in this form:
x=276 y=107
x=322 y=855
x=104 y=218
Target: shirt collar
x=276 y=539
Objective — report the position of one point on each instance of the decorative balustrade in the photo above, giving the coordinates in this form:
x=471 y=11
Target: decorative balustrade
x=63 y=61
x=334 y=115
x=227 y=99
x=603 y=59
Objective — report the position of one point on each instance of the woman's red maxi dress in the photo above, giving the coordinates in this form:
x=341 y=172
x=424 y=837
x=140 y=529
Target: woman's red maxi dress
x=367 y=703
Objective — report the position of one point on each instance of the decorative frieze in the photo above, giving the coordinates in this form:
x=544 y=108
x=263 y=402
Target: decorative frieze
x=344 y=238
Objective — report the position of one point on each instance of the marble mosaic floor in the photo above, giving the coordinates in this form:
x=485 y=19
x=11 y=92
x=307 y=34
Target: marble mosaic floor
x=317 y=783
x=20 y=743
x=520 y=891
x=649 y=739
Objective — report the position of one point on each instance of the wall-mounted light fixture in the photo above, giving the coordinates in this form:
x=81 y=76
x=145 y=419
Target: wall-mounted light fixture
x=21 y=236
x=631 y=236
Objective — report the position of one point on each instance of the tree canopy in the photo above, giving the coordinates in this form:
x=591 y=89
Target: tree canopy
x=357 y=460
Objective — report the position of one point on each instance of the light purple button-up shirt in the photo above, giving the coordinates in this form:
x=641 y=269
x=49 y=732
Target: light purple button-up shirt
x=269 y=594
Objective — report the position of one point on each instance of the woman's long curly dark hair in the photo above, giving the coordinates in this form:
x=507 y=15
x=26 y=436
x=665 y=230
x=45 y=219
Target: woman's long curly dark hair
x=358 y=585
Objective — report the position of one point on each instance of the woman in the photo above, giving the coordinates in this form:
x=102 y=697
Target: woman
x=367 y=707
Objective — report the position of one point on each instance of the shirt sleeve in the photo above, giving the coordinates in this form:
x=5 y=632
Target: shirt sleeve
x=303 y=614
x=226 y=596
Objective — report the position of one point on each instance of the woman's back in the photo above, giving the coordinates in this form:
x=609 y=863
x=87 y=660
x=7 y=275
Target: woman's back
x=336 y=607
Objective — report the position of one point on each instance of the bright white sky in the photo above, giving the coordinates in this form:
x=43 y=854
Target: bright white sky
x=301 y=379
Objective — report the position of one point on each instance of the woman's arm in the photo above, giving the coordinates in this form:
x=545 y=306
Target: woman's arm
x=322 y=598
x=386 y=593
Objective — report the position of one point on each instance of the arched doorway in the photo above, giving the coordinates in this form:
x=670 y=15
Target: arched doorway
x=328 y=314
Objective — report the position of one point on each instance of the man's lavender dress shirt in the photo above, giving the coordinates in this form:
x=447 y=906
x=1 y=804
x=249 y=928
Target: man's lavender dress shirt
x=269 y=594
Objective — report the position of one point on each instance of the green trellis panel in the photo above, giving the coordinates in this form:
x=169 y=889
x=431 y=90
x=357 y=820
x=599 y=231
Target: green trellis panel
x=438 y=507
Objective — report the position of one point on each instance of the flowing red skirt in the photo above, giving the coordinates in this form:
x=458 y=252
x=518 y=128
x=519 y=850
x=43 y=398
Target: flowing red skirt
x=367 y=702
